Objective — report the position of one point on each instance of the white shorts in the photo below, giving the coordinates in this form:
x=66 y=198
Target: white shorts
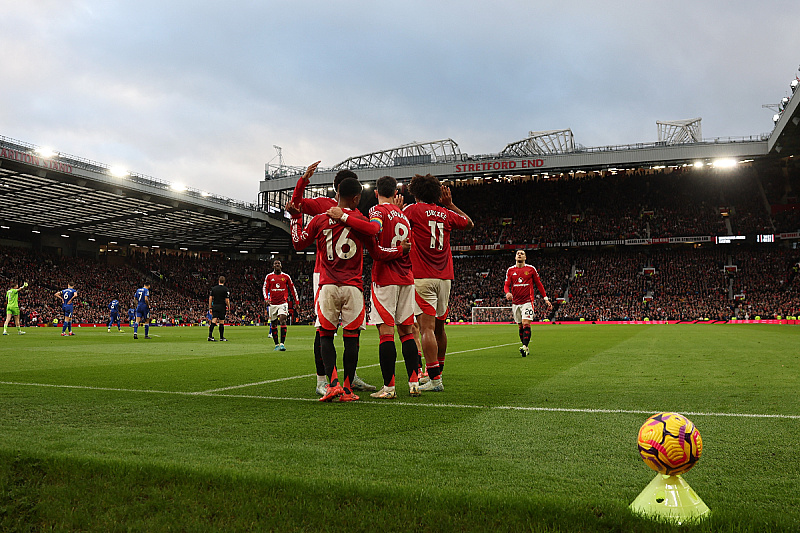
x=392 y=305
x=346 y=302
x=432 y=297
x=276 y=310
x=522 y=312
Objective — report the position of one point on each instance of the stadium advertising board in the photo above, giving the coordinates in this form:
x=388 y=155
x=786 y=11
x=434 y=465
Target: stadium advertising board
x=505 y=164
x=32 y=159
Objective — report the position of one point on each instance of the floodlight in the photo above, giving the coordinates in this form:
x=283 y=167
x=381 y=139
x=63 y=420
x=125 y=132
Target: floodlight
x=367 y=185
x=178 y=187
x=47 y=153
x=65 y=235
x=118 y=172
x=185 y=249
x=5 y=227
x=243 y=252
x=794 y=84
x=724 y=163
x=205 y=194
x=776 y=117
x=698 y=164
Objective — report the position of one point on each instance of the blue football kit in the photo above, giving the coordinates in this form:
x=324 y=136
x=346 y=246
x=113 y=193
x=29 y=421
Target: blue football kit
x=142 y=312
x=67 y=296
x=113 y=310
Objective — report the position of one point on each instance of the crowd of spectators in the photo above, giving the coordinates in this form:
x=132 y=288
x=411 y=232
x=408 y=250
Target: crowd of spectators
x=179 y=285
x=593 y=206
x=625 y=283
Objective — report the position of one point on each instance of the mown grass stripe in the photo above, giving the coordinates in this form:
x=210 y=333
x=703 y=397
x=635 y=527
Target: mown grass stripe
x=414 y=404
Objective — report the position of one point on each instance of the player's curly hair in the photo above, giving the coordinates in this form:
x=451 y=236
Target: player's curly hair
x=426 y=188
x=343 y=175
x=386 y=186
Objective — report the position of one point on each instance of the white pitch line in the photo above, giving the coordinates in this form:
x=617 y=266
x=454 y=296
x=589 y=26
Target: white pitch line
x=409 y=404
x=277 y=380
x=88 y=387
x=484 y=348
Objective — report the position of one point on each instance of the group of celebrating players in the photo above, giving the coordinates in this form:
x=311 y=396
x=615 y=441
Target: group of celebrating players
x=412 y=274
x=407 y=281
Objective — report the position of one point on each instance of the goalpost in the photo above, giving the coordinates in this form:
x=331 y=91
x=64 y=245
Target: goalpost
x=491 y=314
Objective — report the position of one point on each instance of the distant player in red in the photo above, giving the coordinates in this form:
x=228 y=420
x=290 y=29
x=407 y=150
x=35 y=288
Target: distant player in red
x=340 y=246
x=521 y=282
x=432 y=264
x=312 y=207
x=393 y=292
x=278 y=286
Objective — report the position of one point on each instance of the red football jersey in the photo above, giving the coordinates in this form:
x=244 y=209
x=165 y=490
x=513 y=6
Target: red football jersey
x=430 y=238
x=340 y=249
x=394 y=228
x=276 y=288
x=520 y=282
x=311 y=206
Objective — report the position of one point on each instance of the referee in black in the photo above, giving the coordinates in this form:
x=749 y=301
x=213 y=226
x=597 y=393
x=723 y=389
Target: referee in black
x=219 y=300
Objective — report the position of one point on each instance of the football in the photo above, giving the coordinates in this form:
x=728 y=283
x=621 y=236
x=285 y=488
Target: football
x=669 y=443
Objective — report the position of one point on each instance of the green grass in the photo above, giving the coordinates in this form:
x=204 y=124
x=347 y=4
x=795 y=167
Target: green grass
x=101 y=432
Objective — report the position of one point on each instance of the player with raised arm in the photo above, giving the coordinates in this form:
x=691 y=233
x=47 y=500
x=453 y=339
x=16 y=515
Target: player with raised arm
x=522 y=280
x=278 y=286
x=12 y=306
x=432 y=264
x=142 y=298
x=219 y=301
x=313 y=207
x=67 y=299
x=113 y=315
x=340 y=243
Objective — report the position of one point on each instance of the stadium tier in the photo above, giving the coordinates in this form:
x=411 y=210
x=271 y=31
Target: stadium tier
x=685 y=283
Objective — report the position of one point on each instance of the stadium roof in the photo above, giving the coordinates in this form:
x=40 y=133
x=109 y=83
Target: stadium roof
x=680 y=143
x=69 y=196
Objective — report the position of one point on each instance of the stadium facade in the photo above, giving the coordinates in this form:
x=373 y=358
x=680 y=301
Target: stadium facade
x=76 y=206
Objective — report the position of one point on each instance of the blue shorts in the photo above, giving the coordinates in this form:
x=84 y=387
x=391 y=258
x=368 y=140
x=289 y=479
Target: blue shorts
x=114 y=317
x=143 y=312
x=67 y=310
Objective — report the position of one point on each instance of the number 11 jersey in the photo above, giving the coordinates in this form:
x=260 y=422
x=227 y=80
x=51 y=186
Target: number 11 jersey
x=430 y=239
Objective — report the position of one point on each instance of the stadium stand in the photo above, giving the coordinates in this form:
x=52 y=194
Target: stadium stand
x=628 y=204
x=179 y=291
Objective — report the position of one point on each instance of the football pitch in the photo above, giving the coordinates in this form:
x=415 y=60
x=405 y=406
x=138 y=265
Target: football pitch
x=101 y=432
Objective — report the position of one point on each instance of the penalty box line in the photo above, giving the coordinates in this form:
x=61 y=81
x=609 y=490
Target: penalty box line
x=278 y=380
x=406 y=403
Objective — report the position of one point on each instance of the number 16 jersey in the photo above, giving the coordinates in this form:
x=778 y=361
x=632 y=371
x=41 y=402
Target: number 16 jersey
x=430 y=239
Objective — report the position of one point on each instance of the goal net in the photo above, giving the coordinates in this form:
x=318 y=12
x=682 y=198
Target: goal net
x=491 y=314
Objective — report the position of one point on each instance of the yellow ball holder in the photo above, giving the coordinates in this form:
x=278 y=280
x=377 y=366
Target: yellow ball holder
x=670 y=498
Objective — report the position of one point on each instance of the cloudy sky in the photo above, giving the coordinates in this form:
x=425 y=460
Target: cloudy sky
x=199 y=92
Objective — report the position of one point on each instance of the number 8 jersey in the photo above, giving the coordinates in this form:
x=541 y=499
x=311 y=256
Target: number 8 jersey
x=395 y=227
x=430 y=239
